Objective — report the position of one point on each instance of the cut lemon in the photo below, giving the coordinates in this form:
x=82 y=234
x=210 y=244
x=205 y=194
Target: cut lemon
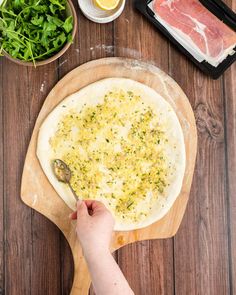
x=107 y=4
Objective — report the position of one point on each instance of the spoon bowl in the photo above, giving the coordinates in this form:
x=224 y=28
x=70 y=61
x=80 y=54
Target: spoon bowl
x=63 y=174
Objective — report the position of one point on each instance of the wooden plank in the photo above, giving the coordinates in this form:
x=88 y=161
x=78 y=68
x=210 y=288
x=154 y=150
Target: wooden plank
x=148 y=265
x=45 y=236
x=67 y=267
x=1 y=187
x=230 y=129
x=136 y=38
x=18 y=216
x=201 y=245
x=33 y=250
x=92 y=41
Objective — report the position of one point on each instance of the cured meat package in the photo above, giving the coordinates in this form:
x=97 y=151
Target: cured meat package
x=205 y=31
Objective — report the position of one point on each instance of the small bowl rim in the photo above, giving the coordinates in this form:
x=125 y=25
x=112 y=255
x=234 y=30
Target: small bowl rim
x=106 y=19
x=58 y=54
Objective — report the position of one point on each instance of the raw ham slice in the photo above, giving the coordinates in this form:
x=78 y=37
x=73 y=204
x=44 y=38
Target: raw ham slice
x=196 y=28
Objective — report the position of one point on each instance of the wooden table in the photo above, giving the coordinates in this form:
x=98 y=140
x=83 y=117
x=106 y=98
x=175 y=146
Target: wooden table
x=201 y=258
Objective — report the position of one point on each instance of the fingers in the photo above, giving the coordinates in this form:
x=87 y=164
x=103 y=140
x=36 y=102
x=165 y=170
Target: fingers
x=89 y=203
x=73 y=215
x=88 y=207
x=96 y=207
x=92 y=204
x=82 y=209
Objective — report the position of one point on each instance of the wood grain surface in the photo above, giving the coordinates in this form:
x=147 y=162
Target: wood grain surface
x=201 y=259
x=2 y=258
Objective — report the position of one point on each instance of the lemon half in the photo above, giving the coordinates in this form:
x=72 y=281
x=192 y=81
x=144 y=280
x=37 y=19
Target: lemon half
x=107 y=4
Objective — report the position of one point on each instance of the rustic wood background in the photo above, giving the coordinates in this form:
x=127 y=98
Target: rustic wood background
x=201 y=258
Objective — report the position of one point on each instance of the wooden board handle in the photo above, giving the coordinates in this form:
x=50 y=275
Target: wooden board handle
x=82 y=281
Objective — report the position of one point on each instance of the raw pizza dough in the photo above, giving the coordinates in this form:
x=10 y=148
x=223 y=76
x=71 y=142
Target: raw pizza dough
x=124 y=145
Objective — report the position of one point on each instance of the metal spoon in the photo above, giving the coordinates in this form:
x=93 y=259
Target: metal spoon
x=63 y=174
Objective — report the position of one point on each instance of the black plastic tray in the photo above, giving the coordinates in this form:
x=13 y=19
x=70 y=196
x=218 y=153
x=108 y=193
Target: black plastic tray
x=219 y=9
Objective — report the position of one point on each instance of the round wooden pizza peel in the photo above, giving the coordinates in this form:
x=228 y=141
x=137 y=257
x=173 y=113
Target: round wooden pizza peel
x=37 y=192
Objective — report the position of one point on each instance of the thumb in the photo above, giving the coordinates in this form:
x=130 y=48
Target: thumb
x=82 y=210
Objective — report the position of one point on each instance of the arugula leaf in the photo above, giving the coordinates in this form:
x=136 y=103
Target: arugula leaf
x=27 y=54
x=68 y=24
x=53 y=8
x=55 y=20
x=57 y=3
x=59 y=40
x=48 y=27
x=37 y=20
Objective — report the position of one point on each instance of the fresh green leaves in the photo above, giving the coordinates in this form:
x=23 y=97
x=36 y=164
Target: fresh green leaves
x=37 y=20
x=57 y=3
x=68 y=24
x=33 y=30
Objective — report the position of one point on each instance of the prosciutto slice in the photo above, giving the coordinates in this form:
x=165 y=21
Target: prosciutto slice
x=197 y=29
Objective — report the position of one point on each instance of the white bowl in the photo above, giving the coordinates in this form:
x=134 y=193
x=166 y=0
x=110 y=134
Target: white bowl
x=97 y=15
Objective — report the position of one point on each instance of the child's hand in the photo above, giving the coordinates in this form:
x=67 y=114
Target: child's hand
x=94 y=226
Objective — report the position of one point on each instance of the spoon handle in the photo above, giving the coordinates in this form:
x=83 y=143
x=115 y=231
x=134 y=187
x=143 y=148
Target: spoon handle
x=74 y=193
